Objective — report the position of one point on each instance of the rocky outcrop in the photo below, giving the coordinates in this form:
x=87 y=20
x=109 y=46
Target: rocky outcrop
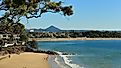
x=12 y=50
x=40 y=51
x=21 y=49
x=47 y=52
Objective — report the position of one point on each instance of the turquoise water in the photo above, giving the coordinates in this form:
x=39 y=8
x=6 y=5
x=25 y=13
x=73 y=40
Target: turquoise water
x=86 y=54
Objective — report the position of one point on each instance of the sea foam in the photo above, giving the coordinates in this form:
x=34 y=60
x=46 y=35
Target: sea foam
x=67 y=61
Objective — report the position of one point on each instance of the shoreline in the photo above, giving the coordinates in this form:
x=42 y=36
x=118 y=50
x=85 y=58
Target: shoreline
x=25 y=60
x=37 y=60
x=67 y=39
x=52 y=62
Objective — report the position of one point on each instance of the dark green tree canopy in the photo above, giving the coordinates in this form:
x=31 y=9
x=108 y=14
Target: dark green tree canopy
x=15 y=9
x=7 y=25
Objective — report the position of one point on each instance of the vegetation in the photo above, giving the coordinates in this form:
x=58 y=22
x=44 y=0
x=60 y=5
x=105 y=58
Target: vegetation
x=32 y=44
x=1 y=43
x=15 y=9
x=7 y=25
x=66 y=34
x=24 y=37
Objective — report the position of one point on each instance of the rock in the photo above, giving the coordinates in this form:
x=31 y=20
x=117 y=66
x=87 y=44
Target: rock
x=47 y=52
x=12 y=50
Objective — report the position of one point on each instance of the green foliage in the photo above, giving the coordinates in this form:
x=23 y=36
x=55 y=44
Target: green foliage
x=9 y=26
x=24 y=37
x=11 y=38
x=15 y=9
x=1 y=44
x=74 y=34
x=33 y=44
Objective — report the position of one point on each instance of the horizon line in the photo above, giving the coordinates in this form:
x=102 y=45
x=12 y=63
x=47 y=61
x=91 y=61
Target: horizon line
x=83 y=29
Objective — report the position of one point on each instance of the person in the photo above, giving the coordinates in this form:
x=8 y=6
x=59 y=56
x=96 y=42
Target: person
x=47 y=57
x=9 y=56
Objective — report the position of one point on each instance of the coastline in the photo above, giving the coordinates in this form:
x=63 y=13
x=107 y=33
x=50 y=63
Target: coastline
x=25 y=60
x=66 y=39
x=37 y=60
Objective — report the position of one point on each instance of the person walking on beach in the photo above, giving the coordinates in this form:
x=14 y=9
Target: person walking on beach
x=9 y=56
x=47 y=57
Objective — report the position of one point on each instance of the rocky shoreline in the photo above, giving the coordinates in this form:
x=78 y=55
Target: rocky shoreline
x=12 y=50
x=21 y=49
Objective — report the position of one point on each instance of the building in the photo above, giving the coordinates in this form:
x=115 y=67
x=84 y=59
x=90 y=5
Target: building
x=9 y=39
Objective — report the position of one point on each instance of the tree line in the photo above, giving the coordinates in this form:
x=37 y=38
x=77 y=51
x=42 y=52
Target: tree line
x=87 y=34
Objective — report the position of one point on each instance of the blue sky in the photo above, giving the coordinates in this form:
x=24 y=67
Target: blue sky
x=88 y=14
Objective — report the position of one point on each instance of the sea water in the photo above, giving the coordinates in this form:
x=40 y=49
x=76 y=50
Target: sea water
x=86 y=54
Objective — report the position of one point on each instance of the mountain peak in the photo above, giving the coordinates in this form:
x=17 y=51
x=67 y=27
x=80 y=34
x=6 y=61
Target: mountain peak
x=52 y=29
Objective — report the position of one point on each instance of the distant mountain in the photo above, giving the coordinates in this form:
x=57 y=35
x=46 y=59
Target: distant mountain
x=49 y=29
x=52 y=29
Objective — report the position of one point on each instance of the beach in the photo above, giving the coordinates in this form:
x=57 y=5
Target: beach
x=25 y=60
x=67 y=39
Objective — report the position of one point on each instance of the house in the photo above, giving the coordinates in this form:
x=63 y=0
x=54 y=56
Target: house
x=10 y=39
x=7 y=36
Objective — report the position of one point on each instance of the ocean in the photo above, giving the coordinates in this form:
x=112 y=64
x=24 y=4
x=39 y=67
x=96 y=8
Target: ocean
x=86 y=53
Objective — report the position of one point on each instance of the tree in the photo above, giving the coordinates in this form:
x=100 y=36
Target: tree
x=32 y=44
x=7 y=25
x=11 y=38
x=1 y=44
x=23 y=37
x=15 y=9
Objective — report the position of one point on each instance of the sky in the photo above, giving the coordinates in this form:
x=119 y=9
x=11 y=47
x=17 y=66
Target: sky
x=88 y=15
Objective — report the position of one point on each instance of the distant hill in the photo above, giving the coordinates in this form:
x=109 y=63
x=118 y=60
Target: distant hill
x=49 y=29
x=55 y=29
x=52 y=29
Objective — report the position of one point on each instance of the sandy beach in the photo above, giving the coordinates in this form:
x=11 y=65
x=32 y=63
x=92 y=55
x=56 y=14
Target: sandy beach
x=25 y=60
x=66 y=39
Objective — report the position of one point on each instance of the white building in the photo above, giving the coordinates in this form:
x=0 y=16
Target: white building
x=6 y=39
